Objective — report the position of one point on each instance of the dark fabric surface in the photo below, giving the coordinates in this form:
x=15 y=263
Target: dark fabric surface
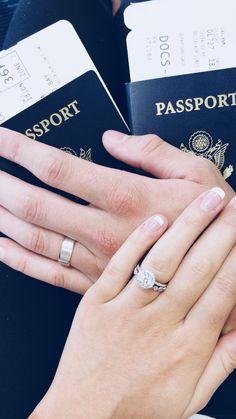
x=7 y=8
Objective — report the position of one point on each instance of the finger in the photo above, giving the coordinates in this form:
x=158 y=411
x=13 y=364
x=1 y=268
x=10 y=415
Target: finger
x=216 y=304
x=48 y=210
x=165 y=257
x=203 y=262
x=120 y=268
x=220 y=366
x=230 y=323
x=43 y=269
x=46 y=243
x=153 y=155
x=91 y=182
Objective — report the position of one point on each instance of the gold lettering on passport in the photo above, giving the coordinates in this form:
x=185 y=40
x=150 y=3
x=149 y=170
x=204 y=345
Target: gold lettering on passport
x=201 y=144
x=195 y=104
x=54 y=120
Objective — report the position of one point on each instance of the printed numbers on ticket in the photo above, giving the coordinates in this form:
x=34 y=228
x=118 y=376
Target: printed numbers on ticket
x=39 y=65
x=12 y=71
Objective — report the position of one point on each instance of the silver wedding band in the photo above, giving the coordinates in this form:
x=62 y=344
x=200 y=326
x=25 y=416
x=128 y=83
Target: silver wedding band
x=66 y=252
x=146 y=280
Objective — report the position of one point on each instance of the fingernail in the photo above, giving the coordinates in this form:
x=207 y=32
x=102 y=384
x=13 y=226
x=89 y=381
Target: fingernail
x=212 y=199
x=233 y=203
x=2 y=253
x=114 y=136
x=155 y=223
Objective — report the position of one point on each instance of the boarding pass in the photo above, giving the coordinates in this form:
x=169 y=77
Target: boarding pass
x=40 y=65
x=171 y=38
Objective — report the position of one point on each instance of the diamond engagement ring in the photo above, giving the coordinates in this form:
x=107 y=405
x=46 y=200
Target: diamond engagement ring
x=147 y=280
x=66 y=252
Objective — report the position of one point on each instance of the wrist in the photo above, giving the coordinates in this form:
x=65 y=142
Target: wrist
x=88 y=400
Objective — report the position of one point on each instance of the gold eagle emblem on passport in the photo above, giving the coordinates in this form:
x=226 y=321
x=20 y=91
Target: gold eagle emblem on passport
x=84 y=154
x=201 y=144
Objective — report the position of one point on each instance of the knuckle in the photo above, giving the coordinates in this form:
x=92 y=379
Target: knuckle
x=206 y=169
x=106 y=242
x=189 y=219
x=229 y=362
x=36 y=241
x=200 y=266
x=31 y=209
x=213 y=322
x=161 y=267
x=229 y=218
x=124 y=199
x=14 y=149
x=113 y=270
x=20 y=265
x=58 y=278
x=205 y=165
x=208 y=165
x=225 y=282
x=52 y=172
x=151 y=143
x=100 y=265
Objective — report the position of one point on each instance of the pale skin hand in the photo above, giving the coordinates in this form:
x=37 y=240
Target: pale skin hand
x=36 y=220
x=133 y=353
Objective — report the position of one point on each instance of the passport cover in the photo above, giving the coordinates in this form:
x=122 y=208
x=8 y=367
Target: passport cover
x=194 y=112
x=74 y=119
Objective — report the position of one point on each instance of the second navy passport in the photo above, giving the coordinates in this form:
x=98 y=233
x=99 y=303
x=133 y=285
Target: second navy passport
x=194 y=112
x=73 y=119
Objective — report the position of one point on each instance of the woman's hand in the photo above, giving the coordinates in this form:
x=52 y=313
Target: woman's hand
x=37 y=220
x=134 y=353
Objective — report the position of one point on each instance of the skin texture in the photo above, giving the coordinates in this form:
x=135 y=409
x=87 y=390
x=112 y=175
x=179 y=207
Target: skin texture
x=36 y=220
x=116 y=5
x=128 y=355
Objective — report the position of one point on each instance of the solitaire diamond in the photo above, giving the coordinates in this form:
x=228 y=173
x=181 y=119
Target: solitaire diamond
x=146 y=279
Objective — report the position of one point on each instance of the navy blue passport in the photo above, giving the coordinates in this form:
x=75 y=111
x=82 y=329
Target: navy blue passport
x=73 y=119
x=195 y=112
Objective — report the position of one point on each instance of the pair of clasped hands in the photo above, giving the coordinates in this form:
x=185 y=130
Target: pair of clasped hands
x=131 y=352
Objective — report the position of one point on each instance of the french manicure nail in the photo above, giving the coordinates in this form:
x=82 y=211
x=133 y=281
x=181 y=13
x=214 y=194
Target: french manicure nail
x=212 y=199
x=2 y=253
x=155 y=223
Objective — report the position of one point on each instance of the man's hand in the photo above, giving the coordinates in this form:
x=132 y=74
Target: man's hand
x=36 y=220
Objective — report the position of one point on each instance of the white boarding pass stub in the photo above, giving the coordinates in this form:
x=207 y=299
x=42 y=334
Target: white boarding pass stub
x=174 y=48
x=163 y=54
x=39 y=65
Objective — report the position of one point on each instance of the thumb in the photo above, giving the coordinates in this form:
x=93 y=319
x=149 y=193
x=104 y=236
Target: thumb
x=154 y=155
x=220 y=366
